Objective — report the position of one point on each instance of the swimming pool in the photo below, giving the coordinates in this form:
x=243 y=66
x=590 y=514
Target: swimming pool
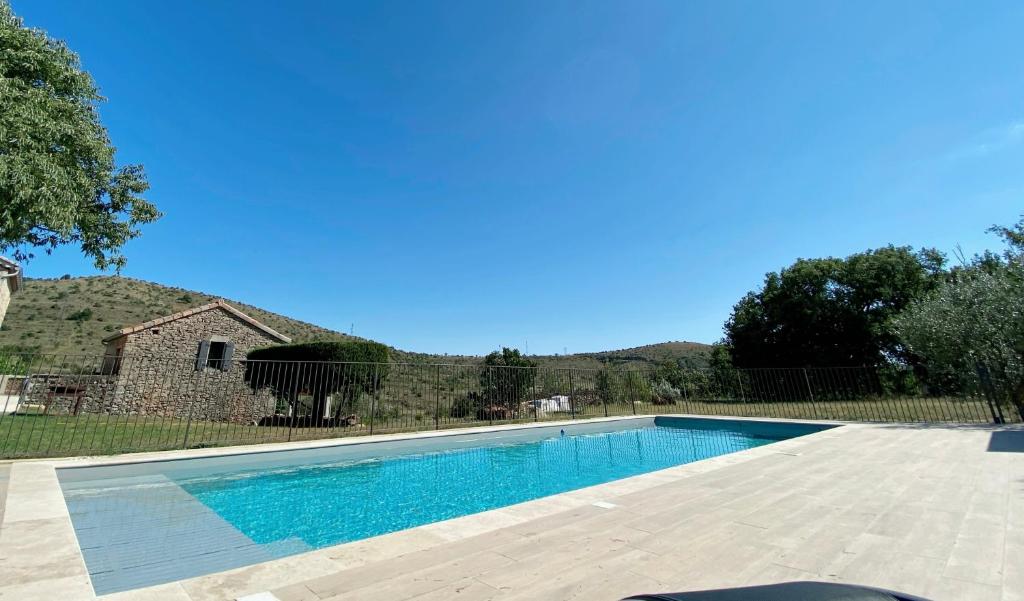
x=148 y=523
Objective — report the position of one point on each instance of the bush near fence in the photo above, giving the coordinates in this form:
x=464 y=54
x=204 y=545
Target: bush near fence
x=69 y=405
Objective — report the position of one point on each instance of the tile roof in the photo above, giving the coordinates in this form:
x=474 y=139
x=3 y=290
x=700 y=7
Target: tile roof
x=217 y=304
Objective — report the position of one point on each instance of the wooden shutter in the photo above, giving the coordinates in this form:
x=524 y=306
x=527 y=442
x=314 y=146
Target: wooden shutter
x=229 y=350
x=203 y=356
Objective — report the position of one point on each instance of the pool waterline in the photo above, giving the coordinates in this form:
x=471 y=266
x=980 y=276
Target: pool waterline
x=143 y=524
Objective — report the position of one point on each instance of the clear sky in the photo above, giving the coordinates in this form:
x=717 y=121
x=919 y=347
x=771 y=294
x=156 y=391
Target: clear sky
x=455 y=176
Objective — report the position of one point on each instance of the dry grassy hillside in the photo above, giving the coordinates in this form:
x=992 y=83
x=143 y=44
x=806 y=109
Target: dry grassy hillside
x=72 y=316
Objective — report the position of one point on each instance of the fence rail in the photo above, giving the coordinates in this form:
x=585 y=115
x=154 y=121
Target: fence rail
x=58 y=405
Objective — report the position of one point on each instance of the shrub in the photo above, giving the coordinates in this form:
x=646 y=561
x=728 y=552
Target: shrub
x=341 y=369
x=664 y=393
x=81 y=315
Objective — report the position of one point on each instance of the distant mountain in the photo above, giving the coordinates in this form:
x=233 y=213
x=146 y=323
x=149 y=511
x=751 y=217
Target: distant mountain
x=72 y=316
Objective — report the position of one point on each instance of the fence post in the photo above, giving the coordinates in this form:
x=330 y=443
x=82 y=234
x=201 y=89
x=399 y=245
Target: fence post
x=989 y=391
x=194 y=377
x=604 y=397
x=633 y=398
x=533 y=401
x=810 y=393
x=437 y=398
x=686 y=397
x=572 y=395
x=188 y=422
x=491 y=389
x=373 y=398
x=632 y=395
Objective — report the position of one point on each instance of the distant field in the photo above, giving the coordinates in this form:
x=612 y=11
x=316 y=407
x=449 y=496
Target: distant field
x=54 y=436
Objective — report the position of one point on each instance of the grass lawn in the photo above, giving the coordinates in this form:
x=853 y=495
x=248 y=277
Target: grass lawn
x=57 y=436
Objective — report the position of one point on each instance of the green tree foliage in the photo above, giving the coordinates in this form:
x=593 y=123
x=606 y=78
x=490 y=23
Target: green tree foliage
x=973 y=323
x=507 y=378
x=341 y=369
x=611 y=386
x=59 y=183
x=81 y=315
x=831 y=312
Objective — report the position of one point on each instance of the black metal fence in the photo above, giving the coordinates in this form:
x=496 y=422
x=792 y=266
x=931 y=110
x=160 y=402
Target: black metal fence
x=59 y=405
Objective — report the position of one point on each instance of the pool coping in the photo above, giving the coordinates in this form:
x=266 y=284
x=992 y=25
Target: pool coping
x=39 y=545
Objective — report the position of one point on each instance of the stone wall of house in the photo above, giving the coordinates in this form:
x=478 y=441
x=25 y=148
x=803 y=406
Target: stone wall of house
x=157 y=374
x=64 y=393
x=5 y=297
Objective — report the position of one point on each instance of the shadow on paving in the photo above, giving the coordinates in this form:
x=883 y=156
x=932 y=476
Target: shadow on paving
x=1006 y=441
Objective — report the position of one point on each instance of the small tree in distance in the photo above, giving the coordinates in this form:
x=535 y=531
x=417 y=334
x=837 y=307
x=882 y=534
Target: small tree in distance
x=506 y=379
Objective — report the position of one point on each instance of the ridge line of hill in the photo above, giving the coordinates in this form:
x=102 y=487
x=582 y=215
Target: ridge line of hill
x=72 y=315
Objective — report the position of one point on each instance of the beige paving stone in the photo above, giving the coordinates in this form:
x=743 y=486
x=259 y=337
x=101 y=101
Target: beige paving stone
x=410 y=583
x=467 y=589
x=295 y=592
x=383 y=547
x=33 y=493
x=951 y=588
x=161 y=592
x=30 y=549
x=257 y=578
x=73 y=588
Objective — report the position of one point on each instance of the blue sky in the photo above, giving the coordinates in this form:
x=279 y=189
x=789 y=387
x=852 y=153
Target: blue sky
x=455 y=176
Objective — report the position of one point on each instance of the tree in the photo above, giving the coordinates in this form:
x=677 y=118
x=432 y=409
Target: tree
x=831 y=312
x=507 y=378
x=972 y=325
x=343 y=370
x=59 y=183
x=610 y=385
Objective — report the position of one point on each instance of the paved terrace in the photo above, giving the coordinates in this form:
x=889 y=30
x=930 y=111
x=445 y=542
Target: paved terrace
x=929 y=510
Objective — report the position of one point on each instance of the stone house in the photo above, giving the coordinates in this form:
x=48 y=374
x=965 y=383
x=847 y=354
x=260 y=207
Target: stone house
x=189 y=365
x=10 y=282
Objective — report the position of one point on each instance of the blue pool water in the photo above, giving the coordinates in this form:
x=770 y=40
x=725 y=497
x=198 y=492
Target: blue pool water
x=142 y=526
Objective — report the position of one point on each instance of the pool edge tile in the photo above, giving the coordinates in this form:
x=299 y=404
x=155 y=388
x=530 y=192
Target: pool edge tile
x=34 y=497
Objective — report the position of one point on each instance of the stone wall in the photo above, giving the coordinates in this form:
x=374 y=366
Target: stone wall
x=155 y=372
x=5 y=297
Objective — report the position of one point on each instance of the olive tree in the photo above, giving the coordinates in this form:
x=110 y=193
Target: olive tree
x=973 y=325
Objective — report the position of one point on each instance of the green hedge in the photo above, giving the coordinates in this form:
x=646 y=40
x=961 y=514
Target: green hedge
x=362 y=351
x=342 y=369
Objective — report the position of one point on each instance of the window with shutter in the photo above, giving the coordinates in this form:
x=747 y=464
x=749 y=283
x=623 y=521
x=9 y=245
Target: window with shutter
x=216 y=358
x=229 y=350
x=204 y=354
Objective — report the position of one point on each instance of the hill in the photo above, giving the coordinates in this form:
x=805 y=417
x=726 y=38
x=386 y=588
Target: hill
x=72 y=316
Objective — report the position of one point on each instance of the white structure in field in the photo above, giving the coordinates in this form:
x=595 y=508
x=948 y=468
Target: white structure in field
x=559 y=402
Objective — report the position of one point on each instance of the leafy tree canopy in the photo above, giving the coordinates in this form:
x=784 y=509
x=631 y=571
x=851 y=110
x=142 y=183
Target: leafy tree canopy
x=506 y=387
x=59 y=183
x=508 y=357
x=831 y=312
x=973 y=323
